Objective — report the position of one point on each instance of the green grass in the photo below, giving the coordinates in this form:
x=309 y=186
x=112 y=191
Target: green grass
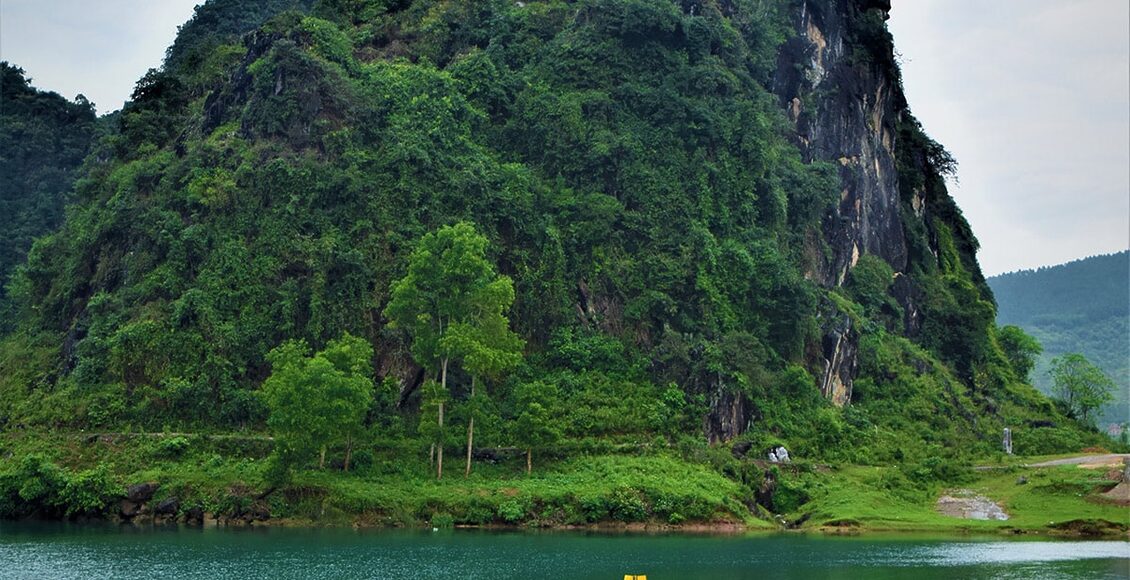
x=868 y=497
x=574 y=492
x=397 y=486
x=393 y=485
x=877 y=498
x=1052 y=495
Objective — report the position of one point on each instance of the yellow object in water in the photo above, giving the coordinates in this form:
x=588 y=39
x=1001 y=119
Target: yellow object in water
x=637 y=577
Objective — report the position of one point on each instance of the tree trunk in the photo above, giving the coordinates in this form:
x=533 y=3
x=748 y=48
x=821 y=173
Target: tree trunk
x=529 y=462
x=322 y=458
x=470 y=430
x=348 y=453
x=432 y=447
x=439 y=449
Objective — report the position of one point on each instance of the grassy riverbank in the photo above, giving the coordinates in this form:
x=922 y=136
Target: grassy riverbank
x=226 y=477
x=84 y=475
x=1063 y=499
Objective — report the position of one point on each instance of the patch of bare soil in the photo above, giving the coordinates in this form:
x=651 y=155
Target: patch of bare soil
x=965 y=504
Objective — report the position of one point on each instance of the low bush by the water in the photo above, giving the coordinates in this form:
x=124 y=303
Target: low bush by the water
x=39 y=487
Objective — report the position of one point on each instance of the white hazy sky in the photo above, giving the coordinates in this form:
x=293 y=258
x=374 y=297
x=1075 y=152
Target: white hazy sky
x=97 y=48
x=1033 y=99
x=1031 y=96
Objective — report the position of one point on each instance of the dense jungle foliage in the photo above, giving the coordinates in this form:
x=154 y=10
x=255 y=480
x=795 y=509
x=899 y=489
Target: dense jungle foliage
x=1081 y=306
x=630 y=172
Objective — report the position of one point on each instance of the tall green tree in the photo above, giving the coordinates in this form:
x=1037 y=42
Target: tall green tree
x=316 y=401
x=538 y=424
x=450 y=289
x=1081 y=385
x=1020 y=348
x=487 y=348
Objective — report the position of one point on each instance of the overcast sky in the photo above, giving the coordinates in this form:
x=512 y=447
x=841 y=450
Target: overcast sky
x=98 y=48
x=1033 y=99
x=1031 y=96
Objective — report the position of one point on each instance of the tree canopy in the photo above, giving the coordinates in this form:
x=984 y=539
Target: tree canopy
x=451 y=302
x=1082 y=386
x=1082 y=306
x=321 y=399
x=1020 y=348
x=450 y=285
x=536 y=425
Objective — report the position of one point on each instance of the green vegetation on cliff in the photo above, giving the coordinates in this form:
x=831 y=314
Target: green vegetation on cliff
x=663 y=235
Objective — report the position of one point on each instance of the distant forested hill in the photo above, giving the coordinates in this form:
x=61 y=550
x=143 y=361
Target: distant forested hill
x=43 y=140
x=1082 y=306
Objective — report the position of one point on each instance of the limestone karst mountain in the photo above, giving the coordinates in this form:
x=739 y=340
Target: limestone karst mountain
x=720 y=217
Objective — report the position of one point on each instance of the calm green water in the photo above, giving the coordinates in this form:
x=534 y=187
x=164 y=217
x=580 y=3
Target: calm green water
x=68 y=551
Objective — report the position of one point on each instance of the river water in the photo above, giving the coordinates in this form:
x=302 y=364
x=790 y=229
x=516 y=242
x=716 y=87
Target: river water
x=43 y=550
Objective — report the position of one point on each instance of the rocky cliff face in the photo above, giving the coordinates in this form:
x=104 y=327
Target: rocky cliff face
x=837 y=82
x=844 y=106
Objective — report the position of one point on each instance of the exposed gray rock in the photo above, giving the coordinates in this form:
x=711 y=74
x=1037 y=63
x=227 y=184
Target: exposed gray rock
x=167 y=506
x=847 y=112
x=128 y=509
x=194 y=515
x=909 y=296
x=729 y=414
x=764 y=492
x=840 y=346
x=142 y=492
x=853 y=127
x=963 y=503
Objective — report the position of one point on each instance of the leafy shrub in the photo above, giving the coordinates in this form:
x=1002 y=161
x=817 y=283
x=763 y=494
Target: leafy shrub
x=663 y=504
x=869 y=281
x=362 y=460
x=39 y=486
x=938 y=469
x=476 y=511
x=172 y=447
x=791 y=493
x=40 y=483
x=594 y=509
x=90 y=492
x=512 y=511
x=442 y=520
x=1047 y=440
x=626 y=505
x=108 y=406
